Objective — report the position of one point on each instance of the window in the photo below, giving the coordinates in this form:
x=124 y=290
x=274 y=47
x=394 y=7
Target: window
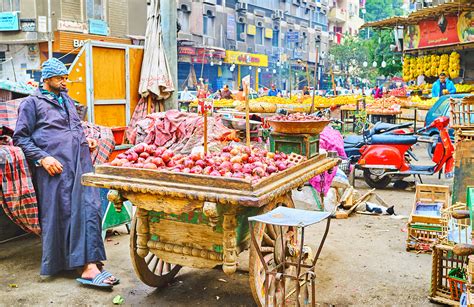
x=183 y=21
x=96 y=9
x=230 y=3
x=219 y=2
x=9 y=5
x=240 y=30
x=276 y=38
x=208 y=25
x=259 y=36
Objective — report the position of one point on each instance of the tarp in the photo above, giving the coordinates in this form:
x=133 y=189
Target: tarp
x=155 y=73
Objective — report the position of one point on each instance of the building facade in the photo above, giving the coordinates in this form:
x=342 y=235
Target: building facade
x=24 y=30
x=344 y=18
x=221 y=41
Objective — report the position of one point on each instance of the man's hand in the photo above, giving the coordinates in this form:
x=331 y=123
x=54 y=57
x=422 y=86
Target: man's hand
x=445 y=92
x=92 y=143
x=52 y=166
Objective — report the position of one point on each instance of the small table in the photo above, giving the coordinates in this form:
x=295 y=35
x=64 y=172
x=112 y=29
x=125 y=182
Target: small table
x=290 y=251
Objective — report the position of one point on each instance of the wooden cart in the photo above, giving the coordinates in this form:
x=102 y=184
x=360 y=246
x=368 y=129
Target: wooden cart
x=200 y=221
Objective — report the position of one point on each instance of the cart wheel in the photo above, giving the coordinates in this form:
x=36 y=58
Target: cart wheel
x=267 y=238
x=151 y=270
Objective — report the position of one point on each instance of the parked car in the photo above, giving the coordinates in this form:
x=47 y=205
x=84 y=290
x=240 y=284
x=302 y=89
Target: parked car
x=442 y=107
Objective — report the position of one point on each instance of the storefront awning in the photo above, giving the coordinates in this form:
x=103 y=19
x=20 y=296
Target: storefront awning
x=455 y=7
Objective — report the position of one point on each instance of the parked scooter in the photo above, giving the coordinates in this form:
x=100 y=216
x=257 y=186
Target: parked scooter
x=353 y=143
x=384 y=158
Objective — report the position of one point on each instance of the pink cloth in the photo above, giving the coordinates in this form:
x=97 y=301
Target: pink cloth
x=329 y=140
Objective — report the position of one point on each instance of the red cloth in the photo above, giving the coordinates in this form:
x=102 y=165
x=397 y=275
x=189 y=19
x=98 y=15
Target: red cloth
x=139 y=114
x=17 y=194
x=105 y=142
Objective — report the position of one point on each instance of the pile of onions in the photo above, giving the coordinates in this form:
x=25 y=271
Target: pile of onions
x=233 y=162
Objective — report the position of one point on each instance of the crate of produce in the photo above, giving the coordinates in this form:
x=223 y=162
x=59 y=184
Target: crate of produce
x=422 y=237
x=462 y=113
x=429 y=201
x=443 y=261
x=303 y=144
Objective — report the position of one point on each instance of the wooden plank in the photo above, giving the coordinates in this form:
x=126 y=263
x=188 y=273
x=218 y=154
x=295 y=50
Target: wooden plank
x=109 y=73
x=109 y=115
x=77 y=80
x=199 y=236
x=135 y=64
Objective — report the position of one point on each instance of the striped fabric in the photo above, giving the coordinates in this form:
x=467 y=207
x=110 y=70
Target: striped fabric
x=105 y=142
x=9 y=112
x=17 y=194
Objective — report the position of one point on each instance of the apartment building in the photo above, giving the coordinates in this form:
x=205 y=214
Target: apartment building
x=24 y=30
x=224 y=40
x=344 y=18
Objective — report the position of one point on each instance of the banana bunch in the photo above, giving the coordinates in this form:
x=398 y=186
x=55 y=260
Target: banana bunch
x=435 y=60
x=427 y=64
x=454 y=64
x=443 y=64
x=464 y=88
x=406 y=69
x=419 y=66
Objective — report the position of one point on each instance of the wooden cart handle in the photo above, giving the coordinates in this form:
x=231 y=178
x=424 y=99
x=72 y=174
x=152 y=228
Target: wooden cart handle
x=463 y=249
x=461 y=214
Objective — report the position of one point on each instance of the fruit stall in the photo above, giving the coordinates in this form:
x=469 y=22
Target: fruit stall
x=192 y=210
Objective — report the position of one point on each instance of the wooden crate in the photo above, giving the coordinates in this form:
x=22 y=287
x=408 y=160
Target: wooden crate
x=303 y=144
x=422 y=237
x=443 y=260
x=463 y=169
x=462 y=235
x=429 y=194
x=462 y=113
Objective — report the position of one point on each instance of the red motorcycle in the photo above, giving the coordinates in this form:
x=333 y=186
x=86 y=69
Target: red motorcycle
x=385 y=158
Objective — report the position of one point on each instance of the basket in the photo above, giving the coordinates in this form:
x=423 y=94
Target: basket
x=462 y=113
x=456 y=285
x=298 y=127
x=443 y=261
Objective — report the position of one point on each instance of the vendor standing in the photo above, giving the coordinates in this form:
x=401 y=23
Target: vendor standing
x=226 y=93
x=50 y=134
x=443 y=86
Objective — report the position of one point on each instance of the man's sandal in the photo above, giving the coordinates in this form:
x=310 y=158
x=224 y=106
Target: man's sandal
x=97 y=281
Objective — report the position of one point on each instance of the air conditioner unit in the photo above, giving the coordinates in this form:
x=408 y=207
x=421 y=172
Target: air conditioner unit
x=296 y=2
x=242 y=19
x=185 y=8
x=241 y=6
x=331 y=36
x=250 y=50
x=276 y=26
x=259 y=24
x=243 y=36
x=324 y=11
x=232 y=47
x=317 y=38
x=279 y=14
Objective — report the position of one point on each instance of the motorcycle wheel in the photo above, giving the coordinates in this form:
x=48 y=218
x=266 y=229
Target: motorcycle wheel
x=375 y=181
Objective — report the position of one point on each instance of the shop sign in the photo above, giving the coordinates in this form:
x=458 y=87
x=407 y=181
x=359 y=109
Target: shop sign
x=268 y=33
x=207 y=52
x=9 y=21
x=231 y=25
x=28 y=25
x=42 y=21
x=186 y=50
x=292 y=37
x=249 y=59
x=76 y=43
x=445 y=31
x=251 y=29
x=71 y=26
x=99 y=27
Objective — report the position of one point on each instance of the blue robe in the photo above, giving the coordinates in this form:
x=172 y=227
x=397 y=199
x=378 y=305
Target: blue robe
x=70 y=214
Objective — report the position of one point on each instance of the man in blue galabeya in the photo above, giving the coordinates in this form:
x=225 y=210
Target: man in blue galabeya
x=50 y=134
x=443 y=86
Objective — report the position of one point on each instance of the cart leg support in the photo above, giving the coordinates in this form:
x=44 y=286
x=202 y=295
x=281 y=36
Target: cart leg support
x=230 y=242
x=143 y=233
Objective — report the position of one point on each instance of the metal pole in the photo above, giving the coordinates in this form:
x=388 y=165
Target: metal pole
x=50 y=39
x=169 y=15
x=315 y=79
x=289 y=79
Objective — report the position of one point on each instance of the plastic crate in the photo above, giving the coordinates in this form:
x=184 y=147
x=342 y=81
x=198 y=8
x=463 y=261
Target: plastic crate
x=306 y=145
x=443 y=261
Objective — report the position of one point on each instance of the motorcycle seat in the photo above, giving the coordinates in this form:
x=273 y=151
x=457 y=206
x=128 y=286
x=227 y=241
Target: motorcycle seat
x=351 y=140
x=383 y=127
x=393 y=139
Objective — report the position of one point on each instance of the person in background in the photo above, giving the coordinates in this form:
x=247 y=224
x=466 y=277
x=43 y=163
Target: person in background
x=50 y=134
x=306 y=91
x=274 y=91
x=186 y=95
x=218 y=95
x=357 y=90
x=443 y=86
x=377 y=92
x=226 y=93
x=240 y=94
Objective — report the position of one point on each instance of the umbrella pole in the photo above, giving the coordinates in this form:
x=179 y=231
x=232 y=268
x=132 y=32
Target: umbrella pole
x=205 y=131
x=148 y=104
x=247 y=119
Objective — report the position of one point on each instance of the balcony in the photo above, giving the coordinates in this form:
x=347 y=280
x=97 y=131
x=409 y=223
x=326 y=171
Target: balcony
x=338 y=15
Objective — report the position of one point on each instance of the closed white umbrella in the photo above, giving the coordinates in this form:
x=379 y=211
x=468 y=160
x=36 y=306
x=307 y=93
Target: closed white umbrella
x=155 y=76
